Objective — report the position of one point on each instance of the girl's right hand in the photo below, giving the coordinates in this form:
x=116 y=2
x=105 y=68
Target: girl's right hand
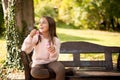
x=33 y=32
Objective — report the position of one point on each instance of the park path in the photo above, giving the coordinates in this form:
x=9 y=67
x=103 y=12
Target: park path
x=16 y=76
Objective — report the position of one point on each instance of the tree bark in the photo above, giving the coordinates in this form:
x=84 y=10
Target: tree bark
x=24 y=15
x=5 y=6
x=19 y=20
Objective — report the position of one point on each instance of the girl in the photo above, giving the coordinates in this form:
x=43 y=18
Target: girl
x=46 y=47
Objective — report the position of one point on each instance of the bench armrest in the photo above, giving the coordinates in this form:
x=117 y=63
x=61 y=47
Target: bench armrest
x=118 y=62
x=25 y=61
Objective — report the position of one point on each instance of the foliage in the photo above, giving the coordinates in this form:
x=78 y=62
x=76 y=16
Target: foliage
x=111 y=14
x=83 y=14
x=13 y=42
x=44 y=8
x=13 y=48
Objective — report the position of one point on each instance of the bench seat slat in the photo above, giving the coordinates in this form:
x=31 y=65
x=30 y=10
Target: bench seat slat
x=95 y=75
x=84 y=63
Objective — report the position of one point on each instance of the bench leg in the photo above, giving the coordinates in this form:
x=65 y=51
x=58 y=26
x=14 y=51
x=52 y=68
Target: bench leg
x=118 y=62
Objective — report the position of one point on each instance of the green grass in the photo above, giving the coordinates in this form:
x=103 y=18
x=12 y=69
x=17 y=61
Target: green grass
x=94 y=36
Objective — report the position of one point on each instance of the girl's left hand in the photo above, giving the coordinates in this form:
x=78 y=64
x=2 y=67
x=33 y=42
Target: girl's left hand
x=51 y=49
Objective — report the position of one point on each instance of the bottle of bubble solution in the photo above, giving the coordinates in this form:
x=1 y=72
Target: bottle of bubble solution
x=37 y=32
x=47 y=44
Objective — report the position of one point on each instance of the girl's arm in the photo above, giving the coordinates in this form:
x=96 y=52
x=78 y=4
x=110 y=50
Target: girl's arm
x=27 y=46
x=54 y=51
x=30 y=42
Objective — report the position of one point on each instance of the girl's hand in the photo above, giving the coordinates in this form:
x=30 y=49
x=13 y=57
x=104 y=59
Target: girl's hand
x=51 y=49
x=33 y=32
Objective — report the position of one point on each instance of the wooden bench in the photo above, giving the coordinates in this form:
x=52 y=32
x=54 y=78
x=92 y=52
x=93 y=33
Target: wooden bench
x=85 y=69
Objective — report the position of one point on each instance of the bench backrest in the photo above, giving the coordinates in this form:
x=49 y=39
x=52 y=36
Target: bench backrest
x=76 y=48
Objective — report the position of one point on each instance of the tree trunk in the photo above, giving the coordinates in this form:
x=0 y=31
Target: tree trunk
x=5 y=6
x=19 y=20
x=24 y=15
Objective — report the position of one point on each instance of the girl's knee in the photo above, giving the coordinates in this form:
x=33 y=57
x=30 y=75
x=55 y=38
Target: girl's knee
x=39 y=73
x=58 y=67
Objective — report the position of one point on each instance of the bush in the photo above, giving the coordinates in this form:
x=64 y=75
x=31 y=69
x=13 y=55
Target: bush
x=44 y=9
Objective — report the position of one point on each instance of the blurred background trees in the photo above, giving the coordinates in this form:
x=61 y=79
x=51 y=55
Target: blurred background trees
x=82 y=14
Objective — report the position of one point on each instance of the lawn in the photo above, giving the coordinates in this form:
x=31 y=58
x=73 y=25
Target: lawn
x=94 y=36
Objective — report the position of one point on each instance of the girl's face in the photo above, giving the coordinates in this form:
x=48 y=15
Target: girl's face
x=43 y=25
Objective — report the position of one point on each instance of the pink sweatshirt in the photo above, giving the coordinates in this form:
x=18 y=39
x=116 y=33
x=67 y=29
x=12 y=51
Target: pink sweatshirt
x=40 y=52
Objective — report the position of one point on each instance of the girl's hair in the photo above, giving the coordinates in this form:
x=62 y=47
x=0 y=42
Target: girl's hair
x=52 y=28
